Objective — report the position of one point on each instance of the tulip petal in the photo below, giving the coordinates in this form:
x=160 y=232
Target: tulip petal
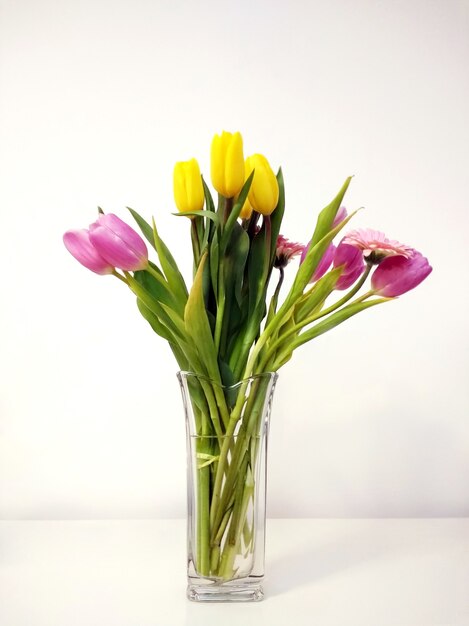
x=227 y=164
x=79 y=245
x=118 y=243
x=188 y=187
x=396 y=275
x=324 y=264
x=350 y=259
x=264 y=192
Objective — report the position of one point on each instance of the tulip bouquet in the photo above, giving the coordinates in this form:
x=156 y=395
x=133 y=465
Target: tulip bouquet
x=228 y=330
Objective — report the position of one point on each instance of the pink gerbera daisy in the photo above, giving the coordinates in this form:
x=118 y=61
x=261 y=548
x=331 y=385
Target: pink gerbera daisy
x=375 y=245
x=286 y=251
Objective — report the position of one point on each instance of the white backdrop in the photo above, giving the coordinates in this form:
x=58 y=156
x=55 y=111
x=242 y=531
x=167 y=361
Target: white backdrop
x=98 y=99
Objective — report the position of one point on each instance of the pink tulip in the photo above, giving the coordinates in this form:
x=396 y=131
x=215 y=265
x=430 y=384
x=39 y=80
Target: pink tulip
x=118 y=243
x=340 y=216
x=79 y=245
x=397 y=274
x=323 y=264
x=351 y=260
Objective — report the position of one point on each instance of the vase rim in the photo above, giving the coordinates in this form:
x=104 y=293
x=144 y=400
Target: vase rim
x=183 y=374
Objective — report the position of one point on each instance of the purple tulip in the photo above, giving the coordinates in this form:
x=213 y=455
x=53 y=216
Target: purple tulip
x=397 y=274
x=118 y=243
x=351 y=260
x=79 y=245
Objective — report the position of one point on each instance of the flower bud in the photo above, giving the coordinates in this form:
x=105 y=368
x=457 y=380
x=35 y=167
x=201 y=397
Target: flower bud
x=188 y=187
x=118 y=243
x=79 y=245
x=227 y=164
x=264 y=191
x=397 y=274
x=246 y=211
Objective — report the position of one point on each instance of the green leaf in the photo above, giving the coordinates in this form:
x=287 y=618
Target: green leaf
x=277 y=216
x=316 y=297
x=214 y=260
x=208 y=197
x=198 y=326
x=176 y=320
x=154 y=322
x=157 y=308
x=203 y=213
x=311 y=261
x=285 y=348
x=144 y=226
x=327 y=215
x=171 y=271
x=258 y=267
x=209 y=227
x=226 y=374
x=235 y=211
x=235 y=260
x=206 y=458
x=158 y=289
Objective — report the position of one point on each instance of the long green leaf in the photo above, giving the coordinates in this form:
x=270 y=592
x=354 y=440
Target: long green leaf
x=156 y=307
x=277 y=216
x=144 y=226
x=258 y=267
x=314 y=298
x=171 y=270
x=235 y=211
x=159 y=289
x=198 y=326
x=210 y=225
x=159 y=328
x=327 y=215
x=203 y=213
x=311 y=261
x=214 y=262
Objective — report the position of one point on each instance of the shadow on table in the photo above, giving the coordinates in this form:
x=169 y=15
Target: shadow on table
x=315 y=561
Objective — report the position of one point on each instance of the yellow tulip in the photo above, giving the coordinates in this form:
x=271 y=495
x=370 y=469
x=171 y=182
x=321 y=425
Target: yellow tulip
x=246 y=211
x=188 y=187
x=263 y=194
x=227 y=164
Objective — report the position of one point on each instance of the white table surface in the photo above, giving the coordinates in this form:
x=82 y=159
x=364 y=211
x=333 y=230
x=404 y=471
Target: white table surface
x=326 y=572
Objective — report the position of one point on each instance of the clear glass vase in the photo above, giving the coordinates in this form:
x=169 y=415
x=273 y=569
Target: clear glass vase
x=227 y=429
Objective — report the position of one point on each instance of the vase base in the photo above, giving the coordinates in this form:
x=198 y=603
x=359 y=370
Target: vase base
x=231 y=592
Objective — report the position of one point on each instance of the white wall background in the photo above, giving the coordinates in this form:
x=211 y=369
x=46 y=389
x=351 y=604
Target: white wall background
x=97 y=101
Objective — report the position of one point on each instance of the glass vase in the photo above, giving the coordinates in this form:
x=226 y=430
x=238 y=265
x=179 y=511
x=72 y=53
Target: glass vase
x=227 y=429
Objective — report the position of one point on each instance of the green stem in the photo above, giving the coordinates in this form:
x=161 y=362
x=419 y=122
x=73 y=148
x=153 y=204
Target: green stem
x=231 y=545
x=249 y=426
x=202 y=479
x=203 y=512
x=309 y=320
x=120 y=277
x=321 y=328
x=347 y=296
x=195 y=244
x=213 y=409
x=221 y=305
